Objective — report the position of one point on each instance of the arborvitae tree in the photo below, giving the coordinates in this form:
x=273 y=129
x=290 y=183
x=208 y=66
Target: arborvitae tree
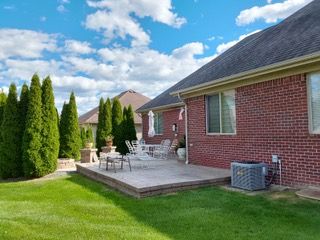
x=23 y=105
x=63 y=130
x=89 y=135
x=50 y=131
x=83 y=136
x=23 y=109
x=32 y=161
x=130 y=127
x=121 y=147
x=108 y=116
x=100 y=142
x=116 y=122
x=70 y=141
x=10 y=149
x=3 y=99
x=58 y=124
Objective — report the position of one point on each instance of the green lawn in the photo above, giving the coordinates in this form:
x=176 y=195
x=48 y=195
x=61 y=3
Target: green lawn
x=74 y=207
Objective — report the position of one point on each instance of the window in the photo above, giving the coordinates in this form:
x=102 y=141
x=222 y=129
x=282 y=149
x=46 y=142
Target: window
x=158 y=123
x=221 y=113
x=314 y=102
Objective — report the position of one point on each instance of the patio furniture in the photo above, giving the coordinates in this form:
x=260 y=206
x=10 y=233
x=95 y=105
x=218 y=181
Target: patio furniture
x=150 y=148
x=163 y=150
x=113 y=158
x=137 y=152
x=173 y=147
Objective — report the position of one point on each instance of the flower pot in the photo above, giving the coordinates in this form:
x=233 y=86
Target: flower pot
x=109 y=143
x=181 y=152
x=89 y=145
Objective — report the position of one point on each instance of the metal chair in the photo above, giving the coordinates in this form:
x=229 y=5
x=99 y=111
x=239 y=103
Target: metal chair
x=163 y=150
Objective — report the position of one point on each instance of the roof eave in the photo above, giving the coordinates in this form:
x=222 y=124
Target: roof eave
x=159 y=108
x=291 y=63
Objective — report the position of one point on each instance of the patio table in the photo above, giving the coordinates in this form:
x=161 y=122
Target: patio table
x=113 y=158
x=149 y=148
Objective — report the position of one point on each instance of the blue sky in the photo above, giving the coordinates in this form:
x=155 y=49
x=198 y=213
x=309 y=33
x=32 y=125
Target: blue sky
x=102 y=47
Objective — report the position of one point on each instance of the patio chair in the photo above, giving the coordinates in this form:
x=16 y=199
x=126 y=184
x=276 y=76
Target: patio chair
x=163 y=150
x=135 y=153
x=173 y=147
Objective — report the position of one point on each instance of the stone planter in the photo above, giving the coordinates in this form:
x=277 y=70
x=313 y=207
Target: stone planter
x=65 y=163
x=181 y=152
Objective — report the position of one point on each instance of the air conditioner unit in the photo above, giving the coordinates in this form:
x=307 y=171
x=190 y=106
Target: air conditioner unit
x=248 y=175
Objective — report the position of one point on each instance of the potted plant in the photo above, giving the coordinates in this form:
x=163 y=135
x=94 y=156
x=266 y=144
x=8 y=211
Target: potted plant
x=109 y=140
x=89 y=144
x=181 y=148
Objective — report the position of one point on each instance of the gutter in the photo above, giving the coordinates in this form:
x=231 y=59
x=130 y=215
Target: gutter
x=186 y=127
x=180 y=104
x=284 y=65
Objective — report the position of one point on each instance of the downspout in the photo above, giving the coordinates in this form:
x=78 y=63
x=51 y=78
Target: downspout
x=185 y=127
x=140 y=115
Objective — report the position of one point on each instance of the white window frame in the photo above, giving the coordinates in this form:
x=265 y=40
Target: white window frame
x=309 y=104
x=156 y=133
x=220 y=115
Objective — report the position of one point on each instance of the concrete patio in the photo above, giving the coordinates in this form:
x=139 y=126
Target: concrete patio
x=155 y=177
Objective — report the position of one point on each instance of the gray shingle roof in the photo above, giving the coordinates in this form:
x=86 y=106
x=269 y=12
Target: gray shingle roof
x=296 y=36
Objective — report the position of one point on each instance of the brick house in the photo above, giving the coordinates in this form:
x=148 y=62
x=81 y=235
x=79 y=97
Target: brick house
x=259 y=98
x=167 y=123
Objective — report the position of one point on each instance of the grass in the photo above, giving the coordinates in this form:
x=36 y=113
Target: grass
x=74 y=207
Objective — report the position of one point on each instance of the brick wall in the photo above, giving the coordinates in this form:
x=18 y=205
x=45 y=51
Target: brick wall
x=169 y=118
x=272 y=118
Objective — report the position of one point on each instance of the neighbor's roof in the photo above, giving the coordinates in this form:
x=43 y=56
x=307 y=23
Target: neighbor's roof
x=128 y=97
x=296 y=36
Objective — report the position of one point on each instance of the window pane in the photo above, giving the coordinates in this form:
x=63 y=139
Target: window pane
x=213 y=114
x=315 y=101
x=158 y=123
x=228 y=112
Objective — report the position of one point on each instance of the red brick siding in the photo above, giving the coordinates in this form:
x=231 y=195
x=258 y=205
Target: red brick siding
x=271 y=118
x=169 y=118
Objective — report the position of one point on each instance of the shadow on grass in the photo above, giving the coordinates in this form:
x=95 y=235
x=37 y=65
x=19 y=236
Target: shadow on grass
x=213 y=213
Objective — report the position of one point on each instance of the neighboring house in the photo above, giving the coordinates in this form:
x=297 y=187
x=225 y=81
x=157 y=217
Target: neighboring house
x=126 y=98
x=261 y=97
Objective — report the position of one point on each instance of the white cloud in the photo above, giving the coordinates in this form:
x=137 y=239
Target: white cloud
x=25 y=43
x=225 y=46
x=117 y=25
x=77 y=47
x=188 y=50
x=61 y=9
x=118 y=18
x=24 y=69
x=270 y=13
